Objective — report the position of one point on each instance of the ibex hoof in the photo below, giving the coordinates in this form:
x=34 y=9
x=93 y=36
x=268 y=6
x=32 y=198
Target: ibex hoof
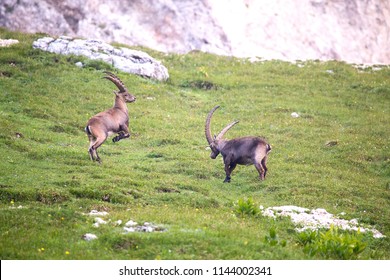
x=227 y=180
x=115 y=139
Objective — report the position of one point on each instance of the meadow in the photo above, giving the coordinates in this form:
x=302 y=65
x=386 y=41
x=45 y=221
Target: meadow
x=335 y=155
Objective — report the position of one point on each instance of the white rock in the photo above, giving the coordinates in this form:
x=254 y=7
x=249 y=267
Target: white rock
x=100 y=221
x=8 y=42
x=147 y=229
x=97 y=213
x=294 y=115
x=354 y=222
x=89 y=236
x=315 y=219
x=377 y=234
x=131 y=223
x=129 y=229
x=127 y=60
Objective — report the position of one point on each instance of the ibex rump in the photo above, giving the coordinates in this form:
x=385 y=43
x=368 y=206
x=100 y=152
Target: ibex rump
x=111 y=121
x=243 y=151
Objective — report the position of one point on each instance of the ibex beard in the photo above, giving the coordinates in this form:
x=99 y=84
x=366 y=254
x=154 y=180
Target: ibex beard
x=239 y=151
x=111 y=121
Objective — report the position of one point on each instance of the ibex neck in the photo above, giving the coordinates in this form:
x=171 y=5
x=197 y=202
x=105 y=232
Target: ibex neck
x=221 y=144
x=120 y=104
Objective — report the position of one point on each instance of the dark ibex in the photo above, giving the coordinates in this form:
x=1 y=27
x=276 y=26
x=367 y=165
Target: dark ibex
x=114 y=120
x=244 y=151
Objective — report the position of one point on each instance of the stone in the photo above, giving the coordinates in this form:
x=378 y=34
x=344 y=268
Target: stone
x=8 y=42
x=97 y=213
x=294 y=115
x=131 y=223
x=124 y=59
x=315 y=219
x=89 y=236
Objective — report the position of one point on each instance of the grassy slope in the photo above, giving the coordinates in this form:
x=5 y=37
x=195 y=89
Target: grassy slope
x=164 y=175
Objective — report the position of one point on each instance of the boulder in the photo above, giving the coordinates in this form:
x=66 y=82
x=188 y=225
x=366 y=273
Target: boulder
x=124 y=59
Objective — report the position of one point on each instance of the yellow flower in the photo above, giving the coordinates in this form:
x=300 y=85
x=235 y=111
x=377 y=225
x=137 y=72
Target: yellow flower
x=67 y=253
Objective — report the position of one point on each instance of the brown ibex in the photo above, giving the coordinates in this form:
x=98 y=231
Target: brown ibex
x=244 y=151
x=114 y=120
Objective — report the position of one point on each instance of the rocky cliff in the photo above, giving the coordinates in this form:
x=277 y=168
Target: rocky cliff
x=355 y=31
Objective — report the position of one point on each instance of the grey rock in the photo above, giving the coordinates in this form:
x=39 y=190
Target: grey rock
x=127 y=60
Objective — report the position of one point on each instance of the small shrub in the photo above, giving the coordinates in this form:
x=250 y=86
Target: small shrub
x=246 y=207
x=273 y=239
x=332 y=244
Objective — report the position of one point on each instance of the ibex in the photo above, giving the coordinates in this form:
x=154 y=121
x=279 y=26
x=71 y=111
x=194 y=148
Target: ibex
x=244 y=151
x=114 y=120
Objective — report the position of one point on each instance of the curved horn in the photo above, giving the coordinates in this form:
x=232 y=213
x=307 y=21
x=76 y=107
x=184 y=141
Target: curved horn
x=120 y=85
x=207 y=127
x=223 y=131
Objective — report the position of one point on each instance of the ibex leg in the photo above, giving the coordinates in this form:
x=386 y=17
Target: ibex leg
x=264 y=164
x=121 y=135
x=228 y=170
x=93 y=149
x=261 y=170
x=90 y=150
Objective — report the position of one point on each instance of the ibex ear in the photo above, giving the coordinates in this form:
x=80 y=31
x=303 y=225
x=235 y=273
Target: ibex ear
x=115 y=92
x=215 y=136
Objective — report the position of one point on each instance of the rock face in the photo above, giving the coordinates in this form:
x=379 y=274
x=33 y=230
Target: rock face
x=127 y=60
x=354 y=30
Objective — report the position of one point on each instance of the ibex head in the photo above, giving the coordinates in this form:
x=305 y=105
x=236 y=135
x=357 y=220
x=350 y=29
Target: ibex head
x=215 y=142
x=122 y=93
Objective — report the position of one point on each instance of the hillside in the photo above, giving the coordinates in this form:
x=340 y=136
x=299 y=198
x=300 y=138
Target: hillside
x=334 y=155
x=354 y=31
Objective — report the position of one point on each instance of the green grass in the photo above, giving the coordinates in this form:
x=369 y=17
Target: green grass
x=163 y=173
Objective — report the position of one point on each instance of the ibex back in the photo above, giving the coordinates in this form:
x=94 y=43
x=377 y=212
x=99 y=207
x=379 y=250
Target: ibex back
x=111 y=121
x=244 y=151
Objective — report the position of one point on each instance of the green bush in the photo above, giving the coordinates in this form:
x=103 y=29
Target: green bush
x=332 y=244
x=273 y=238
x=246 y=207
